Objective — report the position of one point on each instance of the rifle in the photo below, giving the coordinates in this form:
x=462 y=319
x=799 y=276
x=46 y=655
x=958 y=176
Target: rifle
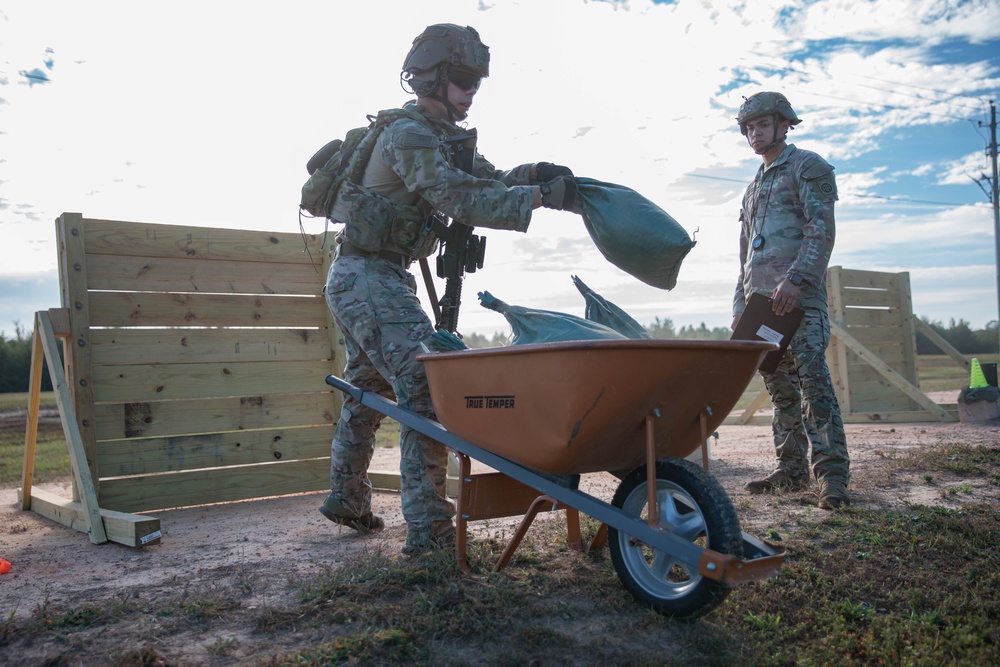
x=461 y=251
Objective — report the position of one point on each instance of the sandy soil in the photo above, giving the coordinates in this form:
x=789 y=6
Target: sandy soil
x=52 y=564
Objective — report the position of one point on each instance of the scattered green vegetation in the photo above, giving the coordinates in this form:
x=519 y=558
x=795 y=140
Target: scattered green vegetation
x=916 y=586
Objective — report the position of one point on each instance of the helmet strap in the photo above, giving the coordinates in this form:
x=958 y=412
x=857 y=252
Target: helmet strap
x=775 y=140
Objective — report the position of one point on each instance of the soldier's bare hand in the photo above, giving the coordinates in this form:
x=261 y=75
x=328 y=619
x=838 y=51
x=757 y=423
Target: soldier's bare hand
x=784 y=298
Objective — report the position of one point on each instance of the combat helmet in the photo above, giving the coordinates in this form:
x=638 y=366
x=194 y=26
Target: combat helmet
x=450 y=44
x=439 y=52
x=762 y=104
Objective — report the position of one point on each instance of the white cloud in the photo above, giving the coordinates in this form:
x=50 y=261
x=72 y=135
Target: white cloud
x=205 y=113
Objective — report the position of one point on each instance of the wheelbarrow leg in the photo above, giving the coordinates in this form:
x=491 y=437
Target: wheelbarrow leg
x=461 y=519
x=652 y=511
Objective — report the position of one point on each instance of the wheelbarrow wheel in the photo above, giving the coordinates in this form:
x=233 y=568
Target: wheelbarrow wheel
x=694 y=506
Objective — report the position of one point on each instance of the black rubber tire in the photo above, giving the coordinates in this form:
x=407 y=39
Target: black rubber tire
x=699 y=509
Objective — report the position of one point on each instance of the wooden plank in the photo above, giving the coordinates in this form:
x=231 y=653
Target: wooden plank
x=132 y=530
x=147 y=419
x=129 y=346
x=836 y=353
x=199 y=487
x=756 y=404
x=150 y=382
x=158 y=240
x=73 y=290
x=908 y=368
x=891 y=353
x=870 y=317
x=942 y=344
x=67 y=415
x=870 y=298
x=146 y=456
x=128 y=309
x=868 y=279
x=164 y=274
x=31 y=427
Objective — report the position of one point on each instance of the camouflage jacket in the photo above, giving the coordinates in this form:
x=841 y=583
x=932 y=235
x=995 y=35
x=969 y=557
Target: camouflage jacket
x=413 y=164
x=790 y=205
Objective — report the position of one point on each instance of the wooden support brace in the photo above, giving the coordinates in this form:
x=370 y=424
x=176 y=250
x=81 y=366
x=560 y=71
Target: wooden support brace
x=132 y=530
x=91 y=512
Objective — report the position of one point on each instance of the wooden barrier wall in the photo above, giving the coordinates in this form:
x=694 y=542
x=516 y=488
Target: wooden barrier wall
x=873 y=348
x=196 y=361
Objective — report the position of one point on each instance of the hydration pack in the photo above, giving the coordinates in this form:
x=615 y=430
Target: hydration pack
x=344 y=160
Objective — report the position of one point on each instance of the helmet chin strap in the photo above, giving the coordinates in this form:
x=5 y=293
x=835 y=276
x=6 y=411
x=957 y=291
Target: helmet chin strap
x=774 y=142
x=441 y=95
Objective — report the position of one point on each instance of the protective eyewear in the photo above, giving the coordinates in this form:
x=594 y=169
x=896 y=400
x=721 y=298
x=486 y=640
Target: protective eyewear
x=464 y=80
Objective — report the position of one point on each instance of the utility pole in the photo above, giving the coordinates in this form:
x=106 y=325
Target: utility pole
x=994 y=195
x=996 y=201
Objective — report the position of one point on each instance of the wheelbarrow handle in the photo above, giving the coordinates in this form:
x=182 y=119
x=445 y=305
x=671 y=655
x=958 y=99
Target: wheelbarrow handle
x=343 y=385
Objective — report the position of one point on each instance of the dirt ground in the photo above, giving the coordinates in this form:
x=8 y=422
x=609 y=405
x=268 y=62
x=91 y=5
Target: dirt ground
x=55 y=565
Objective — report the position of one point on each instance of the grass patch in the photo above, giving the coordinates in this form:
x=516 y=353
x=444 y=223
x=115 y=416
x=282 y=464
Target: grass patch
x=19 y=401
x=939 y=372
x=917 y=586
x=51 y=457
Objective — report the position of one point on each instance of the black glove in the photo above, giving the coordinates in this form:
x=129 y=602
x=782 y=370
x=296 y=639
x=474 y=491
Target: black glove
x=546 y=171
x=559 y=193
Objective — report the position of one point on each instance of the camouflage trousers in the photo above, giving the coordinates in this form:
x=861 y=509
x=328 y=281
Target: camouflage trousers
x=375 y=305
x=806 y=411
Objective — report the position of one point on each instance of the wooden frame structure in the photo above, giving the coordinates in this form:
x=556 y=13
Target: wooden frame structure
x=872 y=353
x=193 y=372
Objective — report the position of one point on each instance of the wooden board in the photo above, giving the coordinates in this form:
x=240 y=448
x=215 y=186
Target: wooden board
x=150 y=382
x=154 y=309
x=215 y=485
x=130 y=346
x=163 y=274
x=147 y=419
x=211 y=450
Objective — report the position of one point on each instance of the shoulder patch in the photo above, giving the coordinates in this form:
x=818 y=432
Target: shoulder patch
x=824 y=187
x=418 y=140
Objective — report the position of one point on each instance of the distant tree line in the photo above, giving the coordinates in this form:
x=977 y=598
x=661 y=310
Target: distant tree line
x=15 y=362
x=961 y=337
x=958 y=334
x=15 y=352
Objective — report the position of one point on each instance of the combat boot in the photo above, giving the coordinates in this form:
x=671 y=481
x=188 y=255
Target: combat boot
x=335 y=511
x=833 y=494
x=779 y=479
x=440 y=537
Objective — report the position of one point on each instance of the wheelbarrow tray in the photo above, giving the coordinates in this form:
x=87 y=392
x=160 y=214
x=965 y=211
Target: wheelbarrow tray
x=579 y=407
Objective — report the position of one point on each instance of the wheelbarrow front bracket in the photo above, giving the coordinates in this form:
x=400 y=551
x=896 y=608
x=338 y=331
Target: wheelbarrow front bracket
x=711 y=564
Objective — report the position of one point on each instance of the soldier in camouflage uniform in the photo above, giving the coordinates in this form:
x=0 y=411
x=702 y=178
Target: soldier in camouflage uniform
x=411 y=175
x=786 y=238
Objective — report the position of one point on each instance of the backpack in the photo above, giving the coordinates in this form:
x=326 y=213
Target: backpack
x=342 y=160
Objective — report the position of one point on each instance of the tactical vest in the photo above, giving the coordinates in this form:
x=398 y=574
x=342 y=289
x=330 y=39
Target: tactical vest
x=374 y=222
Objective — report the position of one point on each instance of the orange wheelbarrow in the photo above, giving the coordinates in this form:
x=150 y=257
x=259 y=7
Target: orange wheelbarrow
x=543 y=415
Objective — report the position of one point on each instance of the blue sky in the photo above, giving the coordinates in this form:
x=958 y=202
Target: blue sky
x=205 y=113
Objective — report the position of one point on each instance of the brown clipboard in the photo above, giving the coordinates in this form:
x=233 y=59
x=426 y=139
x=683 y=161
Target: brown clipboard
x=758 y=322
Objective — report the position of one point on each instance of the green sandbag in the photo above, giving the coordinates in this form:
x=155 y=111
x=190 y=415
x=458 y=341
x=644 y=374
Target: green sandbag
x=602 y=311
x=632 y=232
x=545 y=326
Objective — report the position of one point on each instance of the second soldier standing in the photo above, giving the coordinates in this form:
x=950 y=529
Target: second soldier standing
x=786 y=237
